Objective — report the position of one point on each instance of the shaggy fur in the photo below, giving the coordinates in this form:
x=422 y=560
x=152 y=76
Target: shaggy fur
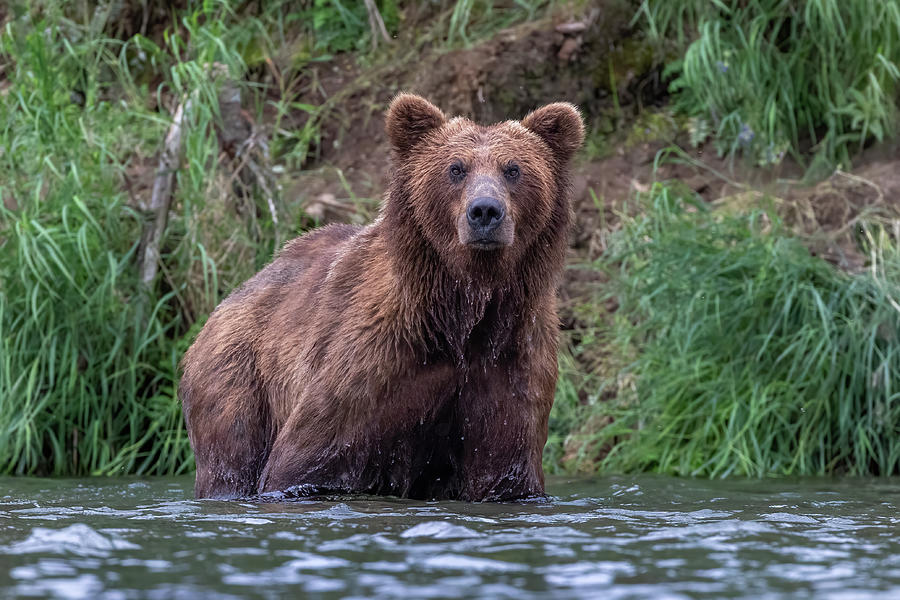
x=399 y=358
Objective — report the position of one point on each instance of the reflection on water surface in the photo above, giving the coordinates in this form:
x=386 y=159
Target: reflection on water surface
x=622 y=537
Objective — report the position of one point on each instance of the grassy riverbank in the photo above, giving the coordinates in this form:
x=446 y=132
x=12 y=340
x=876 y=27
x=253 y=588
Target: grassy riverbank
x=731 y=350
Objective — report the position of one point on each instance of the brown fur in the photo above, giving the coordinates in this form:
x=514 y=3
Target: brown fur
x=397 y=358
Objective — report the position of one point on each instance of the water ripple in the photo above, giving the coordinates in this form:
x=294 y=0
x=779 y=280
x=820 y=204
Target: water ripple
x=612 y=538
x=77 y=539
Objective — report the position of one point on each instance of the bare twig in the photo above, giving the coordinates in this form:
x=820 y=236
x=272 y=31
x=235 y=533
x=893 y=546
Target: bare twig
x=253 y=154
x=376 y=24
x=161 y=197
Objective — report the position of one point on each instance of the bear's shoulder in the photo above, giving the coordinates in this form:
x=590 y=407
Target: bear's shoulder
x=306 y=257
x=323 y=237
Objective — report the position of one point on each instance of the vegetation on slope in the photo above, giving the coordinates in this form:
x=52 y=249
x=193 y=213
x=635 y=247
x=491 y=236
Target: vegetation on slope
x=739 y=353
x=767 y=77
x=89 y=349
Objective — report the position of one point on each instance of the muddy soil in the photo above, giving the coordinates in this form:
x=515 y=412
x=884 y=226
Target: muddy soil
x=590 y=56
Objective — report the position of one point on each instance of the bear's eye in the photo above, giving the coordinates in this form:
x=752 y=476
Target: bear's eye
x=512 y=172
x=457 y=172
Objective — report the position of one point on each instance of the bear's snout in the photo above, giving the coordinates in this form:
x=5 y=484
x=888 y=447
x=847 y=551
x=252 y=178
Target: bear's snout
x=484 y=224
x=485 y=221
x=485 y=215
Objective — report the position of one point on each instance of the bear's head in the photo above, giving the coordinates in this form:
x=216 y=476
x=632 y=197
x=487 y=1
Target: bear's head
x=481 y=196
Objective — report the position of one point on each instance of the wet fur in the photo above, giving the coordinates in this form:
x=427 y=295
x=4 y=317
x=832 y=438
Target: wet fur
x=391 y=358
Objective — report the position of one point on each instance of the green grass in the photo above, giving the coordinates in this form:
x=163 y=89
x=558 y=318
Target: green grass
x=89 y=355
x=767 y=77
x=801 y=383
x=741 y=354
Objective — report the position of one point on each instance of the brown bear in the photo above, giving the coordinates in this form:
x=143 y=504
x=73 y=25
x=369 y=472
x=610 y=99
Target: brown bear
x=415 y=356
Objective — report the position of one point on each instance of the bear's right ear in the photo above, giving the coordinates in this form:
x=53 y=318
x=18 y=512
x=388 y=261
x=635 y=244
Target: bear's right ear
x=409 y=119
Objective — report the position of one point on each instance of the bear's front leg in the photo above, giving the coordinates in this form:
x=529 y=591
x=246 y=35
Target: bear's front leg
x=317 y=451
x=505 y=411
x=369 y=441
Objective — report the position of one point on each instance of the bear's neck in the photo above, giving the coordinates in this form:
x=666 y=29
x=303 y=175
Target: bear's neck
x=444 y=312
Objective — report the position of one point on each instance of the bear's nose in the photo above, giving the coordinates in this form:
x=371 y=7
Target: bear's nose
x=485 y=214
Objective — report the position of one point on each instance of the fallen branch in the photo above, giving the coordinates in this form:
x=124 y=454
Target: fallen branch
x=161 y=198
x=262 y=175
x=376 y=24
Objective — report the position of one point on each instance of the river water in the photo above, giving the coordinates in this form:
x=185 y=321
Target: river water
x=614 y=537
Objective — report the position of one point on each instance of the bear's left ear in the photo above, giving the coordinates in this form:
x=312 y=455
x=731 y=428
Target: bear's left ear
x=560 y=126
x=409 y=119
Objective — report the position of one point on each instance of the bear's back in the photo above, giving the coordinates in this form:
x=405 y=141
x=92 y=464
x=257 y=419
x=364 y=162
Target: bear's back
x=306 y=258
